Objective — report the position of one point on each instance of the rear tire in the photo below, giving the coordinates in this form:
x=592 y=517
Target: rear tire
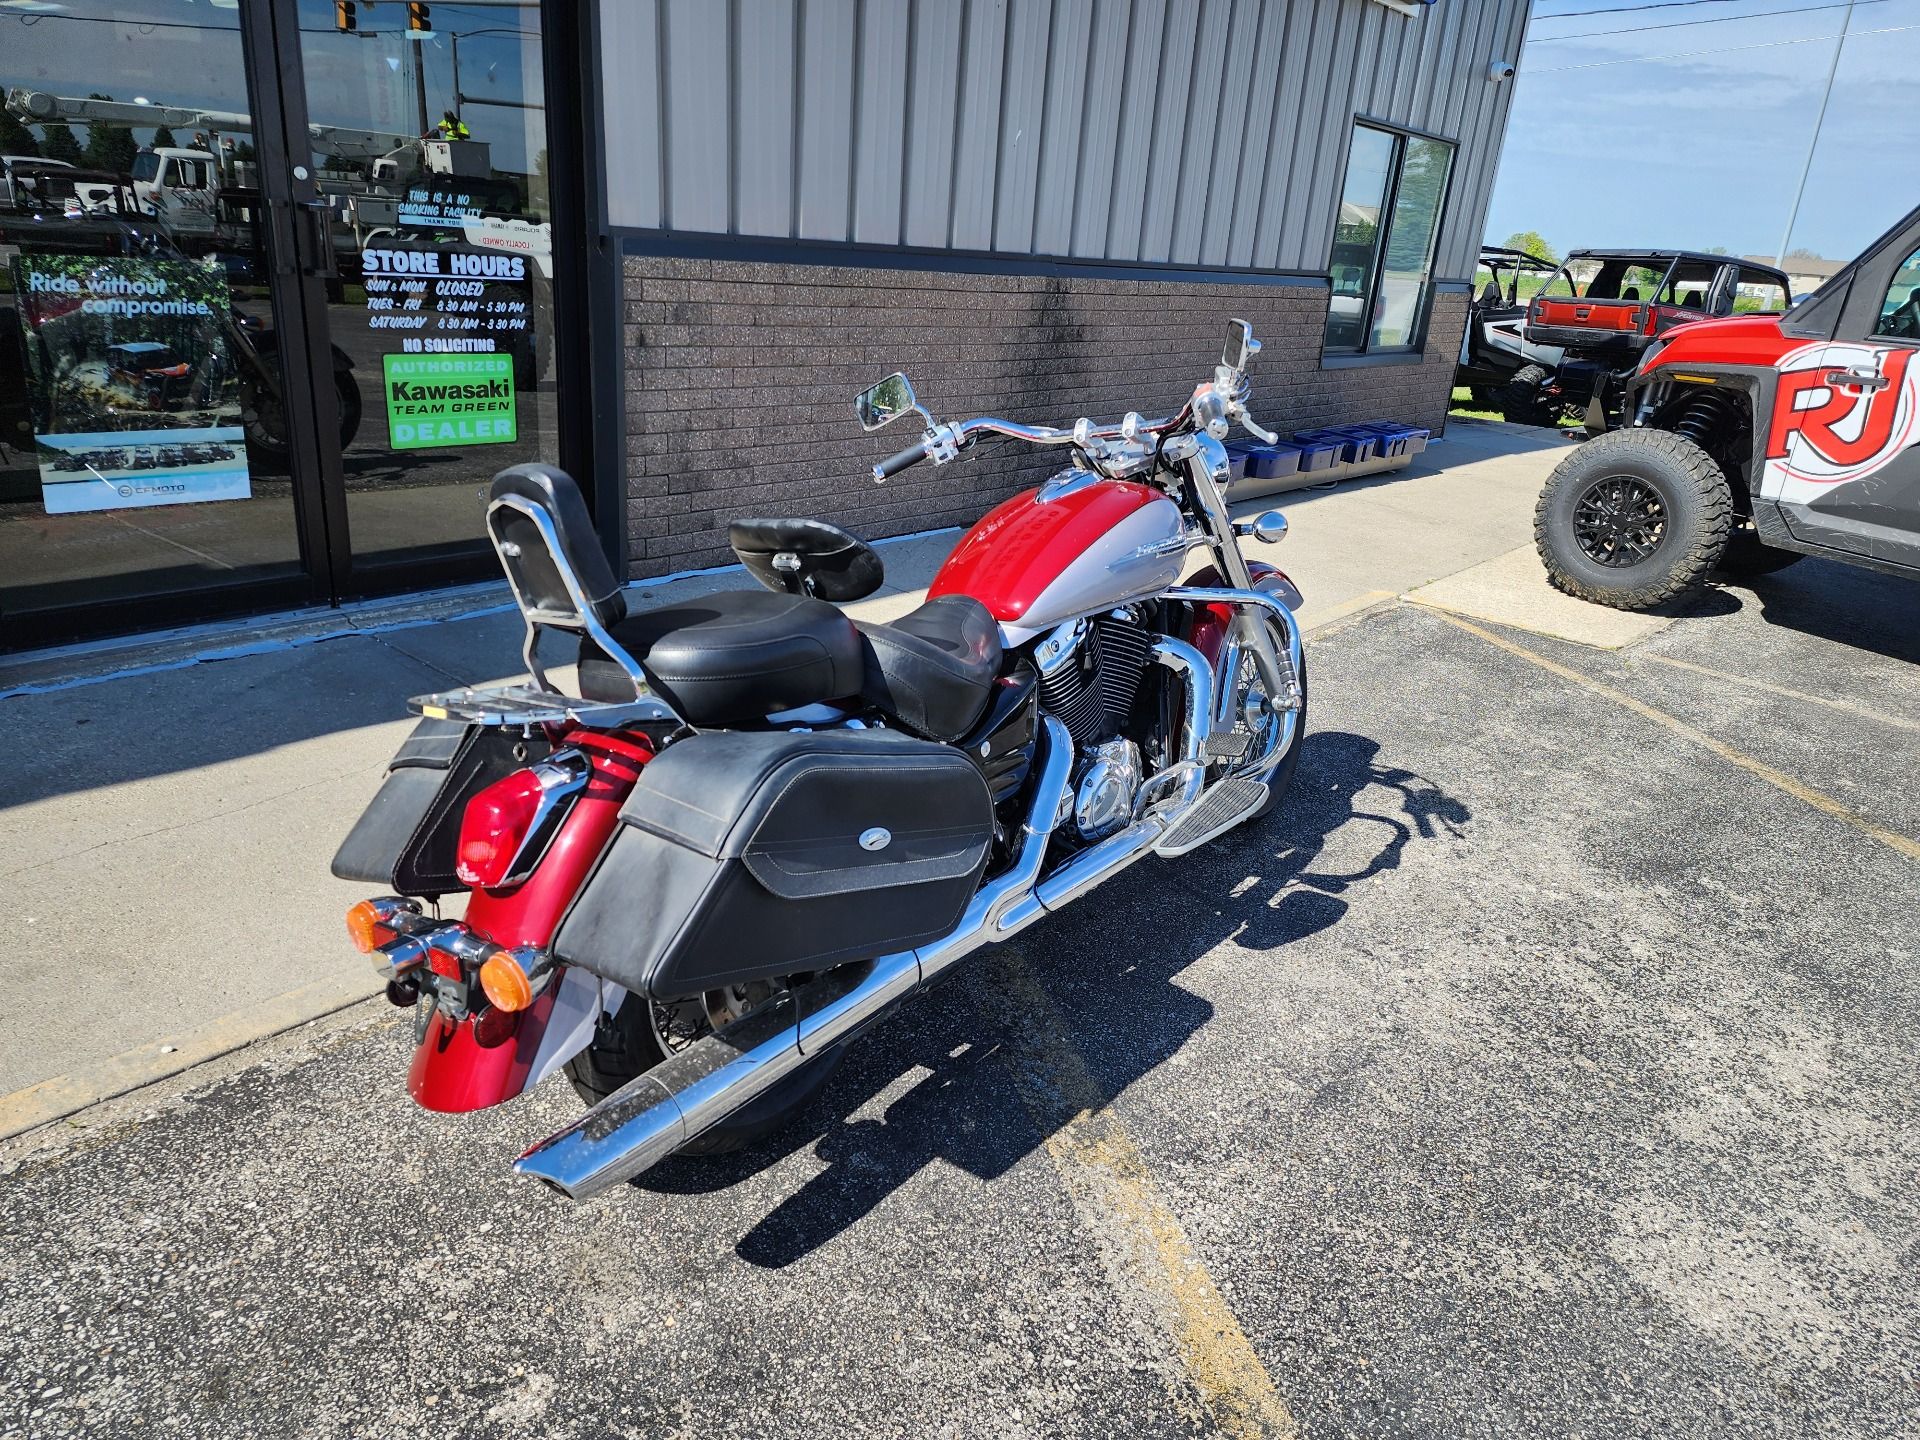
x=1633 y=519
x=1746 y=557
x=1520 y=401
x=626 y=1046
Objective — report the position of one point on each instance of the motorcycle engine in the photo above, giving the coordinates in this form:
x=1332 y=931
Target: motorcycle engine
x=1110 y=776
x=1092 y=692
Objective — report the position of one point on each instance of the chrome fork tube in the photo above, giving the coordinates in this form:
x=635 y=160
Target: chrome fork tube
x=1208 y=472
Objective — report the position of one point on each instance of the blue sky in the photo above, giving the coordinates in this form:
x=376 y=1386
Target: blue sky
x=1607 y=146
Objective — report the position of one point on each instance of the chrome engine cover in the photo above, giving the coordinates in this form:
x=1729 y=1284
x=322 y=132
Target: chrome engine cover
x=1109 y=779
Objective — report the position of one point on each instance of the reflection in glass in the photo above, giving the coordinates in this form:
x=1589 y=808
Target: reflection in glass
x=1408 y=258
x=441 y=233
x=141 y=445
x=1356 y=235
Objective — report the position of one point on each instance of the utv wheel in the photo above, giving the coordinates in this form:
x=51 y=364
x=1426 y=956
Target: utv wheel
x=642 y=1033
x=1746 y=557
x=1633 y=519
x=1520 y=401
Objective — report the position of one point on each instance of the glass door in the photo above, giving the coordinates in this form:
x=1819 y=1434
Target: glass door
x=276 y=301
x=427 y=140
x=146 y=450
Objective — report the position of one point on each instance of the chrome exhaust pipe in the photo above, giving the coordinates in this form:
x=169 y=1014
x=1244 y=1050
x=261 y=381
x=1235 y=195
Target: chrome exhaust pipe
x=655 y=1114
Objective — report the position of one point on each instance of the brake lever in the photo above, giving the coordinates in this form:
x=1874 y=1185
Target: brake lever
x=1247 y=423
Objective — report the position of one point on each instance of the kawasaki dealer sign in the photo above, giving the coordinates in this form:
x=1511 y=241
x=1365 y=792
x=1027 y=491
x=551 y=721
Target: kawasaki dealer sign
x=449 y=400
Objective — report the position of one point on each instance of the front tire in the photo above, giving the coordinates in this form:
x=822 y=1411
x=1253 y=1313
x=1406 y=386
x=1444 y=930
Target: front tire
x=1281 y=780
x=1634 y=519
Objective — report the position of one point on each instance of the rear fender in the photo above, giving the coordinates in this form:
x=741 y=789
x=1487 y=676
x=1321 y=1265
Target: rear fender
x=485 y=1058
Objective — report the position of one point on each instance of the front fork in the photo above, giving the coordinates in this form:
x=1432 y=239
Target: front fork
x=1207 y=473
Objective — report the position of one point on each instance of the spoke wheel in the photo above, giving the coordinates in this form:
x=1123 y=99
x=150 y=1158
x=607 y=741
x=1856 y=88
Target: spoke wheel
x=1619 y=521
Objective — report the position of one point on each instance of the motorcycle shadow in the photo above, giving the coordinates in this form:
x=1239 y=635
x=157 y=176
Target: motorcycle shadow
x=956 y=1083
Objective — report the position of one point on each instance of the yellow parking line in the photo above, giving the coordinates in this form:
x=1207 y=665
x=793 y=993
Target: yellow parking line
x=1899 y=722
x=1826 y=804
x=1146 y=1249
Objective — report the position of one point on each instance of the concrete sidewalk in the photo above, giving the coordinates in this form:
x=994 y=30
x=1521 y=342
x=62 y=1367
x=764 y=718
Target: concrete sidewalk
x=169 y=824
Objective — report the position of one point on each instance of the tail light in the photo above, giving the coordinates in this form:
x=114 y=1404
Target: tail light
x=507 y=826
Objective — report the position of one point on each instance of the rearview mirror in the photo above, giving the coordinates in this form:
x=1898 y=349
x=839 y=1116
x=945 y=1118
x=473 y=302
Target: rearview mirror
x=1240 y=347
x=885 y=402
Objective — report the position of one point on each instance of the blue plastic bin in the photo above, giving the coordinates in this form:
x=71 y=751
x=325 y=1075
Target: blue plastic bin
x=1273 y=462
x=1317 y=454
x=1348 y=449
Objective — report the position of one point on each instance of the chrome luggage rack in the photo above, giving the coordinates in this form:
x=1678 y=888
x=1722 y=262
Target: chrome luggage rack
x=541 y=568
x=528 y=705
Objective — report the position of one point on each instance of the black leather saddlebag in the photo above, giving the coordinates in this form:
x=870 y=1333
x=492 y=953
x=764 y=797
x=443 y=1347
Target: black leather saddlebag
x=407 y=838
x=746 y=855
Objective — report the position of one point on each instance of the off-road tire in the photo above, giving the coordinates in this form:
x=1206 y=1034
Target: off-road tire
x=1692 y=490
x=624 y=1047
x=1747 y=558
x=1520 y=401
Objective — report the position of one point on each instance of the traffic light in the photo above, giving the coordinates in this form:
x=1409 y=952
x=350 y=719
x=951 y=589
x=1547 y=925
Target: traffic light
x=417 y=20
x=344 y=20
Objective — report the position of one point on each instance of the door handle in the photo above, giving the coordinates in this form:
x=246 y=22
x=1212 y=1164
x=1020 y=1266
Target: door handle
x=314 y=218
x=1856 y=379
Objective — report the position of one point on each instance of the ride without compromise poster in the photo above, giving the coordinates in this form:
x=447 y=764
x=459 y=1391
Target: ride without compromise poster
x=135 y=401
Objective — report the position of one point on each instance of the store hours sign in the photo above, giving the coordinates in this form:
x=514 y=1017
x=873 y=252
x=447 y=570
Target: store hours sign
x=454 y=319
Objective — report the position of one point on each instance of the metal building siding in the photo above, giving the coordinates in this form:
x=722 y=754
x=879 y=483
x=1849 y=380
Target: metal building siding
x=1196 y=132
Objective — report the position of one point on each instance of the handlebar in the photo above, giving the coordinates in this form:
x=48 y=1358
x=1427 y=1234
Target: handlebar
x=906 y=459
x=958 y=436
x=943 y=442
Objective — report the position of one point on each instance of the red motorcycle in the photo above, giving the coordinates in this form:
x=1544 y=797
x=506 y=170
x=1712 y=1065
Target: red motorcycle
x=762 y=825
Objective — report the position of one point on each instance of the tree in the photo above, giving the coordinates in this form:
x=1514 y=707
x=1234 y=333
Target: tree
x=1535 y=244
x=163 y=137
x=109 y=146
x=15 y=138
x=57 y=143
x=1801 y=252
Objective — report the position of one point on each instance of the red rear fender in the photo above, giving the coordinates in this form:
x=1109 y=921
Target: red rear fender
x=480 y=1061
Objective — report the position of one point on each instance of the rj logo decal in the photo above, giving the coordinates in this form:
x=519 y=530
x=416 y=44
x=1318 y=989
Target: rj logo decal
x=1843 y=411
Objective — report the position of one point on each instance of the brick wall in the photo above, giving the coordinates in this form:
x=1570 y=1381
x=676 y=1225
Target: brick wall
x=740 y=378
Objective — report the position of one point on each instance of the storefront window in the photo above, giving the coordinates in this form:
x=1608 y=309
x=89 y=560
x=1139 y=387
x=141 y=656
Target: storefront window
x=162 y=400
x=139 y=371
x=1382 y=263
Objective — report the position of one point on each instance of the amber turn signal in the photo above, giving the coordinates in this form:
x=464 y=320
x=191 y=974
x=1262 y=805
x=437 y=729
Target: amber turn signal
x=366 y=927
x=506 y=983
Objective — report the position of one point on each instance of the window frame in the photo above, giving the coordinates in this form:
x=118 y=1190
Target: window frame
x=1887 y=308
x=1365 y=351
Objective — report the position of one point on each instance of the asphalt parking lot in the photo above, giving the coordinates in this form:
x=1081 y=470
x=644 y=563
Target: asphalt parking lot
x=1544 y=1067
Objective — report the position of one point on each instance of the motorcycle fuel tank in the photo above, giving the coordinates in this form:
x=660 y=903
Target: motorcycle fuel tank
x=1041 y=558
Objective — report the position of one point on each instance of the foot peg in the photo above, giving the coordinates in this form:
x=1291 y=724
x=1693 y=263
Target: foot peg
x=1221 y=807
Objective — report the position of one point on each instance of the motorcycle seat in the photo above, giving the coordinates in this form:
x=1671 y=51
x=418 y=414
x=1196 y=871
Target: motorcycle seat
x=732 y=657
x=934 y=668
